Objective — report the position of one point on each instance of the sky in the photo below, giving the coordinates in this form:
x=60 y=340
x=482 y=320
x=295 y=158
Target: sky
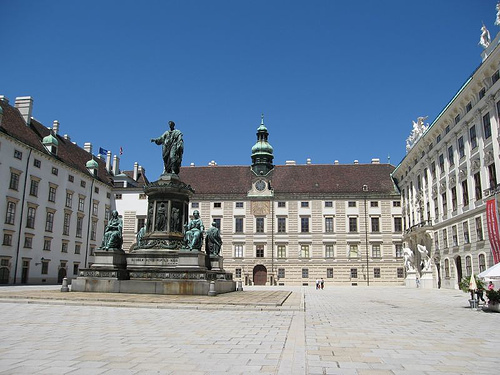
x=335 y=80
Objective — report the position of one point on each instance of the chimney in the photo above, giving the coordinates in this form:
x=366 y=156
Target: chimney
x=108 y=161
x=336 y=162
x=25 y=106
x=192 y=164
x=136 y=171
x=55 y=127
x=290 y=162
x=4 y=98
x=375 y=161
x=116 y=165
x=308 y=161
x=99 y=156
x=67 y=137
x=356 y=161
x=87 y=146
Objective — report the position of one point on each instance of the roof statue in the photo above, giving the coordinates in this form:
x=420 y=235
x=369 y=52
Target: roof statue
x=497 y=21
x=418 y=130
x=485 y=39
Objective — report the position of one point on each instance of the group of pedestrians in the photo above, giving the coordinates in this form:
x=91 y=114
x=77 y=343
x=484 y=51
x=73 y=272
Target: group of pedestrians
x=320 y=284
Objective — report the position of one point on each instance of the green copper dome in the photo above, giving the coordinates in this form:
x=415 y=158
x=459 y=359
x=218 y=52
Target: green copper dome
x=50 y=140
x=262 y=151
x=262 y=147
x=92 y=164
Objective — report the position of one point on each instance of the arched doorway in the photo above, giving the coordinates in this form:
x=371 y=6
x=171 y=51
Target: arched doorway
x=61 y=275
x=458 y=264
x=259 y=275
x=4 y=275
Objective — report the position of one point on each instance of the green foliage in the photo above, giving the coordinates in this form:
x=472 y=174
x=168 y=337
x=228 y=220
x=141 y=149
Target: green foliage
x=493 y=296
x=464 y=284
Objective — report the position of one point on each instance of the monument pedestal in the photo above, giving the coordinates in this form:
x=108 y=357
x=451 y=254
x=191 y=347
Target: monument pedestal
x=411 y=279
x=426 y=280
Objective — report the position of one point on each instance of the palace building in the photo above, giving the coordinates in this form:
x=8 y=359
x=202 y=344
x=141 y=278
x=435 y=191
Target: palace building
x=290 y=224
x=448 y=177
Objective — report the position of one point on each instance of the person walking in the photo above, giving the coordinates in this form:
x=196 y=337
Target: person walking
x=322 y=283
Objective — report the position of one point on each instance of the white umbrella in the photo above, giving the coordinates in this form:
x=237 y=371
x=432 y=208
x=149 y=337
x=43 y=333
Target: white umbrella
x=472 y=283
x=492 y=273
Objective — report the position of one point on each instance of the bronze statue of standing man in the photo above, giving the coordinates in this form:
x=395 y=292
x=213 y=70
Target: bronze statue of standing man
x=173 y=147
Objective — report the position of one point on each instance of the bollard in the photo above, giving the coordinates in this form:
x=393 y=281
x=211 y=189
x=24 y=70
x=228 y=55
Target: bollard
x=211 y=291
x=64 y=287
x=239 y=286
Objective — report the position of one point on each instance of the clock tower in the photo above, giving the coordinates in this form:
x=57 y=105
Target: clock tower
x=262 y=152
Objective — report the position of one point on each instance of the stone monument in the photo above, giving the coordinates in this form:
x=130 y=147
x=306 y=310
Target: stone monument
x=167 y=257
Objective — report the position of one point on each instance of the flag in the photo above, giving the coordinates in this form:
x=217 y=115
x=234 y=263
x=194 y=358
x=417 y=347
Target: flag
x=102 y=151
x=121 y=150
x=493 y=234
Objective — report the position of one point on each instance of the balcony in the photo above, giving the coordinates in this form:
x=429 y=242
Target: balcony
x=417 y=227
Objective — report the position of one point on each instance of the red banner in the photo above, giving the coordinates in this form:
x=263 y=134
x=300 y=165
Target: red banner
x=492 y=222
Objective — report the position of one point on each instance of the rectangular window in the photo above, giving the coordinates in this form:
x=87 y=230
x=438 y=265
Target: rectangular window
x=445 y=203
x=47 y=242
x=468 y=107
x=450 y=156
x=376 y=251
x=95 y=208
x=78 y=248
x=445 y=238
x=492 y=174
x=28 y=242
x=457 y=119
x=239 y=204
x=45 y=267
x=353 y=224
x=329 y=251
x=329 y=273
x=281 y=273
x=118 y=197
x=93 y=230
x=305 y=273
x=18 y=154
x=465 y=193
x=238 y=225
x=259 y=251
x=237 y=273
x=433 y=169
x=66 y=224
x=79 y=226
x=195 y=205
x=304 y=204
x=7 y=239
x=75 y=268
x=238 y=251
x=482 y=263
x=83 y=184
x=69 y=199
x=465 y=227
x=281 y=251
x=37 y=163
x=281 y=204
x=495 y=77
x=328 y=204
x=259 y=224
x=217 y=204
x=487 y=126
x=479 y=229
x=34 y=188
x=304 y=251
x=64 y=247
x=49 y=221
x=441 y=163
x=396 y=203
x=353 y=251
x=30 y=217
x=374 y=204
x=329 y=224
x=375 y=224
x=282 y=225
x=351 y=204
x=438 y=139
x=398 y=225
x=14 y=181
x=477 y=186
x=216 y=220
x=454 y=235
x=482 y=93
x=472 y=137
x=354 y=273
x=52 y=193
x=376 y=273
x=400 y=272
x=92 y=250
x=96 y=190
x=399 y=250
x=71 y=178
x=55 y=171
x=454 y=198
x=304 y=224
x=461 y=147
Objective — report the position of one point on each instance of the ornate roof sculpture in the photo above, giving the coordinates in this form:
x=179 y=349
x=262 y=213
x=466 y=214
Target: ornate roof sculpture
x=418 y=130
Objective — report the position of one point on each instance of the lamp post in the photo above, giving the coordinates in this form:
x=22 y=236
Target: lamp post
x=365 y=190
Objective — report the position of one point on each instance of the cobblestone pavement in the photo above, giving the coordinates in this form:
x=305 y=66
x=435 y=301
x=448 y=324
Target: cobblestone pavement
x=339 y=330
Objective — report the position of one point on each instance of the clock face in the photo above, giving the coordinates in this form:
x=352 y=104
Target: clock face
x=260 y=185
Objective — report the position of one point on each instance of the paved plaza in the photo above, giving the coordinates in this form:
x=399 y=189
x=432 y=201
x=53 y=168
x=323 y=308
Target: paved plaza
x=263 y=330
